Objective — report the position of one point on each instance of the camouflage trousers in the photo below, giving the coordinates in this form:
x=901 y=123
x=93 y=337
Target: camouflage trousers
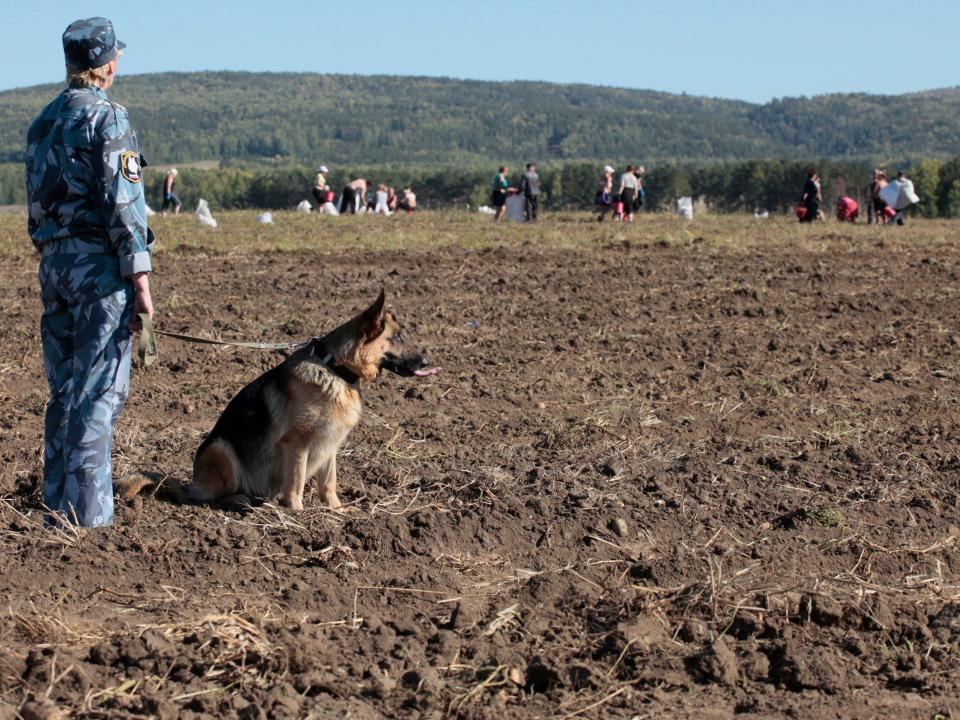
x=86 y=356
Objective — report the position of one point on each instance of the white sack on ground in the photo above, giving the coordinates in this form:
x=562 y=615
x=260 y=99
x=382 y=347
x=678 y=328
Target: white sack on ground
x=329 y=209
x=304 y=206
x=265 y=218
x=685 y=208
x=204 y=216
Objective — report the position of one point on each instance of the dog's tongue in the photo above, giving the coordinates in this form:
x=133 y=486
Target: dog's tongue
x=427 y=373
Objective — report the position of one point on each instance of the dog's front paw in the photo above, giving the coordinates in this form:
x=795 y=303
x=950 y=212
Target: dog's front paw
x=292 y=502
x=236 y=503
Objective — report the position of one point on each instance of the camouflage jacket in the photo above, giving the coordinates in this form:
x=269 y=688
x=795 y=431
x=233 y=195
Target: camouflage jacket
x=84 y=178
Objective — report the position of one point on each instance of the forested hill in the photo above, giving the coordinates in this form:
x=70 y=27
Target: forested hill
x=307 y=118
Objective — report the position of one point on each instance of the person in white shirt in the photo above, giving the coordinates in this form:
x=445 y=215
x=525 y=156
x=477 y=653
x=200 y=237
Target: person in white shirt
x=628 y=192
x=381 y=207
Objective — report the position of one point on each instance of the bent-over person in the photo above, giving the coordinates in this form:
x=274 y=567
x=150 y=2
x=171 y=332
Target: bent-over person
x=170 y=198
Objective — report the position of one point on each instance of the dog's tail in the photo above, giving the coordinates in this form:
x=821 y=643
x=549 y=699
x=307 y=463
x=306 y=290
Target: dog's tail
x=129 y=486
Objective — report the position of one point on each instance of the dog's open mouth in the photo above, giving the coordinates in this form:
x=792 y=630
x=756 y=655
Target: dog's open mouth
x=408 y=366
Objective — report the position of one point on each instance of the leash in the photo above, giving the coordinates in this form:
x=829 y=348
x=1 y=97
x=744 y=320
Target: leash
x=147 y=347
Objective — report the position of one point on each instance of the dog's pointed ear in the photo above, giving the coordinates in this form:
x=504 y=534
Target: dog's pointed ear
x=371 y=319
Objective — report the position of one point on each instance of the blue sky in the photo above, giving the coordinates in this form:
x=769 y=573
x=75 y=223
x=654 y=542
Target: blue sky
x=748 y=49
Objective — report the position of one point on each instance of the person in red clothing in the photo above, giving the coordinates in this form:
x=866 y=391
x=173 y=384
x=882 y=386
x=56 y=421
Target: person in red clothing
x=847 y=209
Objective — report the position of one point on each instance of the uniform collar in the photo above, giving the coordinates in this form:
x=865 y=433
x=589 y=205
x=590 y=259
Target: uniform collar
x=93 y=89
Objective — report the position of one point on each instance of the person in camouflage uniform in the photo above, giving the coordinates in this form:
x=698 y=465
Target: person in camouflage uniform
x=87 y=218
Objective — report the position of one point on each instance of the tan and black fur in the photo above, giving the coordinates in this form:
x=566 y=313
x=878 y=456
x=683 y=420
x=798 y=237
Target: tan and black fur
x=287 y=425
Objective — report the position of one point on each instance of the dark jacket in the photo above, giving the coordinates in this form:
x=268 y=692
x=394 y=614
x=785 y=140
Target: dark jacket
x=530 y=183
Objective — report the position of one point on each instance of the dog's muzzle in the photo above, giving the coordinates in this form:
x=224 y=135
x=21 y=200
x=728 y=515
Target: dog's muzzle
x=408 y=365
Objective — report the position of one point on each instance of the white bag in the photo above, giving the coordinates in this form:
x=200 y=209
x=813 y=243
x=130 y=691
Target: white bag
x=304 y=206
x=266 y=218
x=899 y=194
x=204 y=216
x=907 y=193
x=685 y=208
x=889 y=193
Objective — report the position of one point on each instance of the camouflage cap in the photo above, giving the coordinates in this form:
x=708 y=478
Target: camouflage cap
x=90 y=43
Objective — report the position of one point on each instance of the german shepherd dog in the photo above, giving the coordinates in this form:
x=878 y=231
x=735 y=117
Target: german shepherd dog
x=287 y=425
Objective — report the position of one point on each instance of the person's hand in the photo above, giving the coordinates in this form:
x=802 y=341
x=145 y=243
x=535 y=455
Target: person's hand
x=142 y=301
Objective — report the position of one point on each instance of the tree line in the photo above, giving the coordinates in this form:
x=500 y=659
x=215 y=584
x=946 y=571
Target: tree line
x=745 y=186
x=300 y=118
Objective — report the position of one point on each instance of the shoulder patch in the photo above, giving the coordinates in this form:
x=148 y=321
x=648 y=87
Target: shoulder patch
x=130 y=166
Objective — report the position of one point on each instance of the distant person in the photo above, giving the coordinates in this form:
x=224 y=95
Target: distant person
x=905 y=197
x=812 y=197
x=628 y=193
x=320 y=186
x=381 y=207
x=604 y=196
x=847 y=209
x=391 y=199
x=498 y=196
x=641 y=194
x=409 y=201
x=530 y=187
x=352 y=196
x=88 y=221
x=170 y=198
x=370 y=198
x=876 y=188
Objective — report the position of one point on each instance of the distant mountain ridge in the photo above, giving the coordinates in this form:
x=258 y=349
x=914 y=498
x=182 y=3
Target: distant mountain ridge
x=277 y=118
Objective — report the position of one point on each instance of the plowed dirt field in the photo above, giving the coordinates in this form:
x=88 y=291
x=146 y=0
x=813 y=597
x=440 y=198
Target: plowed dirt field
x=694 y=470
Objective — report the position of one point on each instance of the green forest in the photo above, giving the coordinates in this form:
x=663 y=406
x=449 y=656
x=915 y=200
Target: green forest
x=304 y=119
x=267 y=133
